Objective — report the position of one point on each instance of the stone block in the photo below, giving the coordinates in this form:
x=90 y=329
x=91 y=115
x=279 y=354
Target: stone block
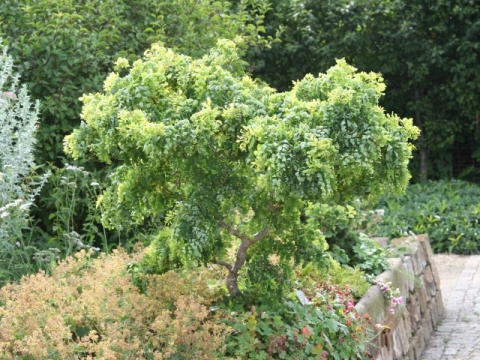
x=407 y=323
x=374 y=347
x=413 y=309
x=423 y=296
x=373 y=304
x=382 y=241
x=410 y=275
x=436 y=276
x=419 y=260
x=418 y=343
x=404 y=336
x=436 y=316
x=386 y=353
x=397 y=345
x=411 y=354
x=427 y=325
x=425 y=242
x=429 y=281
x=440 y=303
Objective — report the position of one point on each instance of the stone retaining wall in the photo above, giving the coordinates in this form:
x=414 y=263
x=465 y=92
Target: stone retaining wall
x=404 y=334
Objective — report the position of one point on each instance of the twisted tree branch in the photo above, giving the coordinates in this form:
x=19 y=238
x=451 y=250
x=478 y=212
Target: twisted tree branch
x=223 y=263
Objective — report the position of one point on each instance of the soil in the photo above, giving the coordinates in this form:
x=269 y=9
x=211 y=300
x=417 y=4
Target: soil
x=449 y=269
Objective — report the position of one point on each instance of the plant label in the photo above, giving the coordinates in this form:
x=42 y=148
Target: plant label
x=303 y=299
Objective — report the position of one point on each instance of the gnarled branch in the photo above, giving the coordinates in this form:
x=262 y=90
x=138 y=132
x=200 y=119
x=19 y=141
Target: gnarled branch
x=223 y=263
x=241 y=256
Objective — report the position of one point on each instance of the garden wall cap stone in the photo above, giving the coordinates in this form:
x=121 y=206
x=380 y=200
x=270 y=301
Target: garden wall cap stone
x=425 y=241
x=410 y=243
x=373 y=304
x=382 y=241
x=408 y=268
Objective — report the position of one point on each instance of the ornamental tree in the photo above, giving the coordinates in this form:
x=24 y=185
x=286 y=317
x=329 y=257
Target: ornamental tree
x=231 y=163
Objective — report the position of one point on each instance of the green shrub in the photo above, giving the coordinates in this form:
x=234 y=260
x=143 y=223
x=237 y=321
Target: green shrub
x=71 y=217
x=65 y=48
x=369 y=256
x=327 y=327
x=449 y=211
x=339 y=275
x=230 y=162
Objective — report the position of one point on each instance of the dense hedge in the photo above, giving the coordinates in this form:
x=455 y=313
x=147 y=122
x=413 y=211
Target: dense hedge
x=65 y=48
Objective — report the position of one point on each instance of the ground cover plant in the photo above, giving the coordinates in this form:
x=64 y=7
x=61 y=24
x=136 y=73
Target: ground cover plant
x=448 y=211
x=89 y=308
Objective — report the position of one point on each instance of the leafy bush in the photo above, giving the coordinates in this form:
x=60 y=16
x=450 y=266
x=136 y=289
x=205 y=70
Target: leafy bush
x=64 y=48
x=227 y=161
x=71 y=217
x=327 y=327
x=369 y=256
x=337 y=275
x=449 y=211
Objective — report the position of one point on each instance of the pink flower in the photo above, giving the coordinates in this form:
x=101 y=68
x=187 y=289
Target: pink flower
x=392 y=309
x=10 y=95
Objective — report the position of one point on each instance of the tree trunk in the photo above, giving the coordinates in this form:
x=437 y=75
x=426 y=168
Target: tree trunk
x=241 y=258
x=232 y=284
x=422 y=141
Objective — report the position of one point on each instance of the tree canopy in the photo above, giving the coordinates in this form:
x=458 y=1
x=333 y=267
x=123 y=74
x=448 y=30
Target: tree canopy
x=231 y=162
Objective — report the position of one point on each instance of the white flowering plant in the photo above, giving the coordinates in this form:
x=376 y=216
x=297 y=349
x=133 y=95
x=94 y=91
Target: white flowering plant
x=18 y=185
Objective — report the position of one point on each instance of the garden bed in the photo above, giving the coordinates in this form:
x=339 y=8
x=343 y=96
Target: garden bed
x=404 y=333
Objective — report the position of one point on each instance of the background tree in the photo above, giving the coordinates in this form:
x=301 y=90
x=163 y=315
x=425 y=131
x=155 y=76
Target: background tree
x=231 y=162
x=426 y=50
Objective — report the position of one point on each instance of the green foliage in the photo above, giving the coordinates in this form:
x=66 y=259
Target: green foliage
x=369 y=256
x=229 y=162
x=74 y=222
x=68 y=187
x=426 y=51
x=327 y=328
x=336 y=274
x=448 y=211
x=64 y=48
x=90 y=305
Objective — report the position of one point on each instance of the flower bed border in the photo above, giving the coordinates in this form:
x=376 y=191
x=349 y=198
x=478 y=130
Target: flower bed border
x=405 y=333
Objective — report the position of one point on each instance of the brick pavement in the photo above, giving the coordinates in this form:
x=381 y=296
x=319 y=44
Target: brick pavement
x=458 y=335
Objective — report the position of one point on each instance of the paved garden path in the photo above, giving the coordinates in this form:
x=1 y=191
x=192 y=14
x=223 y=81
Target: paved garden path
x=458 y=335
